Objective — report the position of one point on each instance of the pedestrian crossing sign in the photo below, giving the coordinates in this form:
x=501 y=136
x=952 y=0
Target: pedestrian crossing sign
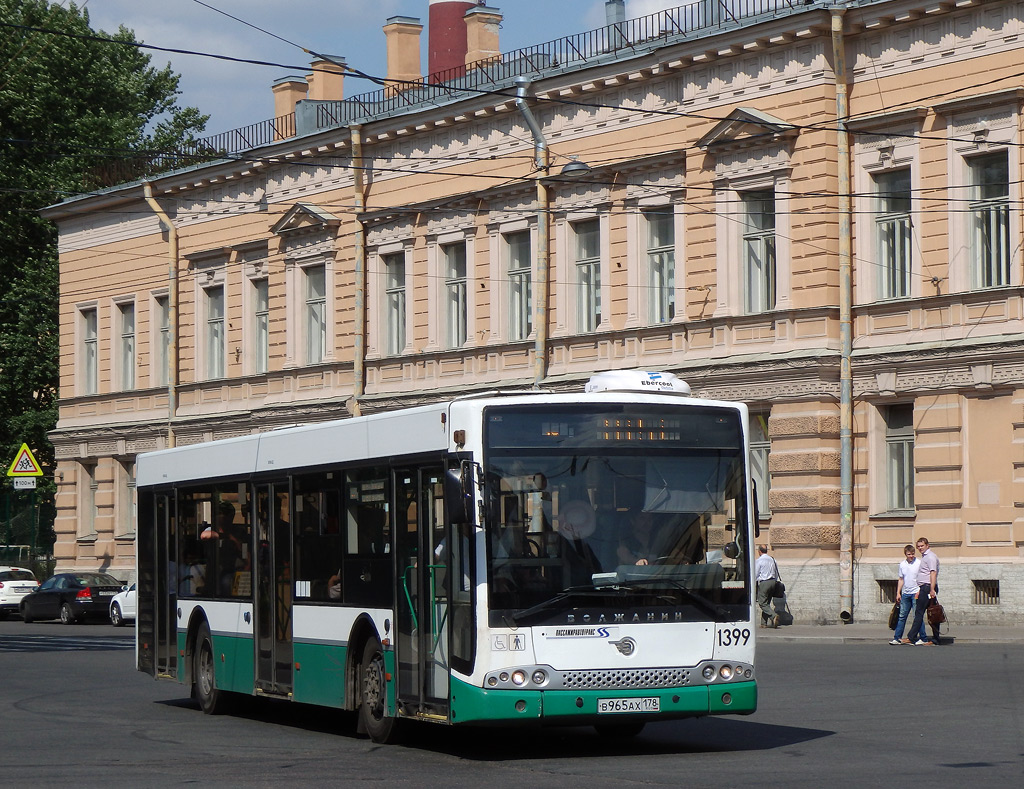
x=25 y=464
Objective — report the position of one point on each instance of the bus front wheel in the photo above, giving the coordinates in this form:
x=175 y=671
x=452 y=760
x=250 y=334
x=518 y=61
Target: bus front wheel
x=373 y=715
x=204 y=674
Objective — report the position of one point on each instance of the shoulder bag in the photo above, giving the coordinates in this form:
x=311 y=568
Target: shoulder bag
x=894 y=615
x=780 y=588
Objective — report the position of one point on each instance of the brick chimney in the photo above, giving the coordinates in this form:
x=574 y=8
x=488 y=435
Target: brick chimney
x=614 y=11
x=287 y=92
x=403 y=48
x=327 y=80
x=446 y=47
x=482 y=24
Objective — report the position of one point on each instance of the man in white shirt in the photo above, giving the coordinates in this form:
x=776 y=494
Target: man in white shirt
x=928 y=581
x=766 y=573
x=906 y=590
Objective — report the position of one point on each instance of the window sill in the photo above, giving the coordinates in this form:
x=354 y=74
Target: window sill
x=894 y=514
x=87 y=539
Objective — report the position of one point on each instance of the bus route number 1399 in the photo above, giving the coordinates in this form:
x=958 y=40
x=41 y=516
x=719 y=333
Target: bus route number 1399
x=733 y=636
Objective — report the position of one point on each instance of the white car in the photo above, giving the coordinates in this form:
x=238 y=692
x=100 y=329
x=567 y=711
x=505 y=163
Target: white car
x=15 y=583
x=122 y=606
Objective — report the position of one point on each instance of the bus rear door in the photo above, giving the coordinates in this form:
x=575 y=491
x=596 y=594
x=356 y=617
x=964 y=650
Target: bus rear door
x=272 y=600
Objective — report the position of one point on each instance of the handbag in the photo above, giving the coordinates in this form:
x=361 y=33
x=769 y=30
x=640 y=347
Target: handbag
x=894 y=615
x=936 y=613
x=779 y=590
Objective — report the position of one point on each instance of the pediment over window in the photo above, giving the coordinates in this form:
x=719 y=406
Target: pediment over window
x=746 y=127
x=304 y=218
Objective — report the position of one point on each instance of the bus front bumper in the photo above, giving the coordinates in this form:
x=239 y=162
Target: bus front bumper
x=479 y=705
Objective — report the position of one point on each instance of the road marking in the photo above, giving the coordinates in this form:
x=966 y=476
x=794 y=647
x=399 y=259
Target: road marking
x=64 y=644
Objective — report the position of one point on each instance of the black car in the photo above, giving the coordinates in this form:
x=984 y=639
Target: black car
x=70 y=597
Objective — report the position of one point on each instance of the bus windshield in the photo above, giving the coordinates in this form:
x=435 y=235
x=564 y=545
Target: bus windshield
x=615 y=513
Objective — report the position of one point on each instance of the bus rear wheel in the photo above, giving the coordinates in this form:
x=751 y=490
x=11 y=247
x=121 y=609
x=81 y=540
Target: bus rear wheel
x=212 y=700
x=373 y=715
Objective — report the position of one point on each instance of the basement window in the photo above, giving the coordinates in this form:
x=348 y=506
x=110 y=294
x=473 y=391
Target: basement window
x=986 y=592
x=887 y=591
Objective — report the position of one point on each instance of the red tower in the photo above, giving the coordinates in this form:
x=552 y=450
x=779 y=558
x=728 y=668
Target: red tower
x=446 y=46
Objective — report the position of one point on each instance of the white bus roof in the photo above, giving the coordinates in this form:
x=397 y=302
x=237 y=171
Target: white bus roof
x=411 y=431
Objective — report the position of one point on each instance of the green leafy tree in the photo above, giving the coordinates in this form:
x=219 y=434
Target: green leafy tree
x=76 y=113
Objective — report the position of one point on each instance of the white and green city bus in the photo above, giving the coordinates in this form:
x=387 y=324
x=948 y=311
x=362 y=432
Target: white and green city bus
x=503 y=558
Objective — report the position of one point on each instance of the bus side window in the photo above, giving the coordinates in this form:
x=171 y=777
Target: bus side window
x=318 y=541
x=367 y=572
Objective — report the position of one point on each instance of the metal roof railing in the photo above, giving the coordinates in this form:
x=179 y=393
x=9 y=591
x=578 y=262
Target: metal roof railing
x=635 y=36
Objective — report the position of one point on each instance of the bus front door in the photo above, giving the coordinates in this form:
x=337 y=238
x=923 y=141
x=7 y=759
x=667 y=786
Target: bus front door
x=272 y=600
x=422 y=648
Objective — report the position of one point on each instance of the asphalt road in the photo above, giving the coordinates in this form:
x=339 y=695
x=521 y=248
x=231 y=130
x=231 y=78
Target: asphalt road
x=73 y=712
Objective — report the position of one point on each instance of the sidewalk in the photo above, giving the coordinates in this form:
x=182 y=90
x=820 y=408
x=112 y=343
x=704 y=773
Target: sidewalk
x=877 y=633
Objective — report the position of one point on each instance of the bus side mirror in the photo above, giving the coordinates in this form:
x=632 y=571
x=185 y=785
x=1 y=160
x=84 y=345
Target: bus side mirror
x=458 y=494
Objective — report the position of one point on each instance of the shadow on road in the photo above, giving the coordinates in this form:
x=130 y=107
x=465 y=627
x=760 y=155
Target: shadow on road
x=689 y=736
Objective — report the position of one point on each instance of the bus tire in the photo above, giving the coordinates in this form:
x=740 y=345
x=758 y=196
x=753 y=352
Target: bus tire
x=373 y=716
x=212 y=700
x=622 y=731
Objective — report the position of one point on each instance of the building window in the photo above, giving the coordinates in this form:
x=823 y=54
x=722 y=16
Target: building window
x=455 y=293
x=520 y=289
x=90 y=351
x=990 y=219
x=661 y=264
x=394 y=297
x=261 y=325
x=985 y=592
x=126 y=350
x=759 y=250
x=892 y=232
x=215 y=338
x=588 y=275
x=760 y=447
x=316 y=313
x=886 y=591
x=87 y=486
x=899 y=456
x=161 y=334
x=126 y=500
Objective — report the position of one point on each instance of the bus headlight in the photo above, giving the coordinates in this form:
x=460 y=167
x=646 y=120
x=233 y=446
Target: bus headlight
x=709 y=672
x=725 y=672
x=539 y=677
x=519 y=677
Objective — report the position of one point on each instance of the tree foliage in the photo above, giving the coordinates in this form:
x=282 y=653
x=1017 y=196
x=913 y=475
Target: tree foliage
x=73 y=110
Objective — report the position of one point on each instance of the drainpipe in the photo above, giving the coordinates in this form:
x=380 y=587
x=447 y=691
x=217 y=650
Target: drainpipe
x=172 y=308
x=541 y=289
x=845 y=325
x=359 y=337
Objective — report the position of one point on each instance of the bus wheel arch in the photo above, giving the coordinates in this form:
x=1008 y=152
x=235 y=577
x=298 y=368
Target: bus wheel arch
x=374 y=719
x=367 y=681
x=363 y=630
x=201 y=664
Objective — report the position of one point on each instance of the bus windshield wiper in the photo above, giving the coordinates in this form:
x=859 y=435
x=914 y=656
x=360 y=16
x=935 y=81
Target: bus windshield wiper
x=556 y=602
x=705 y=605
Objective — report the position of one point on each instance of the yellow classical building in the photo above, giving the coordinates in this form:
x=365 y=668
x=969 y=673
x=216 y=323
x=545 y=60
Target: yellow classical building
x=812 y=207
